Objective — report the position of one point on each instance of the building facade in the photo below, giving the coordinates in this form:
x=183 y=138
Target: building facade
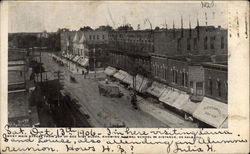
x=130 y=50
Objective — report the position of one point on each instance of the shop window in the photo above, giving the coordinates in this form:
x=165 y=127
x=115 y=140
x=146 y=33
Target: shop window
x=188 y=44
x=186 y=79
x=199 y=88
x=191 y=87
x=21 y=73
x=222 y=43
x=205 y=43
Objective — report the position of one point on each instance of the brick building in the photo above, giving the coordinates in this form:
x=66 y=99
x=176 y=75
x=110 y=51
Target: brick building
x=131 y=48
x=216 y=81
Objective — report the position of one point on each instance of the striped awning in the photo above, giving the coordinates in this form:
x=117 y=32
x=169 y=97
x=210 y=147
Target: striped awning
x=110 y=70
x=212 y=112
x=142 y=83
x=120 y=75
x=156 y=89
x=169 y=96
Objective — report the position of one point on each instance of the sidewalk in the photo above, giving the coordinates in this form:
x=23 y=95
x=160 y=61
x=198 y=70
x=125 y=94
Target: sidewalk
x=167 y=117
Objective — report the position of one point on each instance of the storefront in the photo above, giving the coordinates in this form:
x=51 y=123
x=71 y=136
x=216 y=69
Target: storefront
x=211 y=112
x=156 y=89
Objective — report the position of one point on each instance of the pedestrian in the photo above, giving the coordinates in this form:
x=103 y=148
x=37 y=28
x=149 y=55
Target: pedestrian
x=85 y=75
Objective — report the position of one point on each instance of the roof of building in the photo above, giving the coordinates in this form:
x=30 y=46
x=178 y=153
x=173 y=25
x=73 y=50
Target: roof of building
x=18 y=104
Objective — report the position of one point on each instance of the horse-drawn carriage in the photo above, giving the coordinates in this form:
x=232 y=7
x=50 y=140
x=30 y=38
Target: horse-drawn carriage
x=109 y=89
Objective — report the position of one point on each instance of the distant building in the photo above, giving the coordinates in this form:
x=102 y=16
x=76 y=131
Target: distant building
x=86 y=44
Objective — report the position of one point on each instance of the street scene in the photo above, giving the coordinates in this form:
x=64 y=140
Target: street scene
x=120 y=71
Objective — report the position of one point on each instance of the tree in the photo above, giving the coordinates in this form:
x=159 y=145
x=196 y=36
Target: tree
x=62 y=30
x=126 y=27
x=86 y=28
x=105 y=28
x=157 y=28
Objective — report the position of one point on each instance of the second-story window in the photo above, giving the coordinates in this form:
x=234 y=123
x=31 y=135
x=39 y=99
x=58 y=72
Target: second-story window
x=205 y=43
x=97 y=37
x=174 y=71
x=103 y=37
x=212 y=42
x=179 y=44
x=93 y=37
x=90 y=37
x=222 y=43
x=188 y=44
x=195 y=43
x=186 y=79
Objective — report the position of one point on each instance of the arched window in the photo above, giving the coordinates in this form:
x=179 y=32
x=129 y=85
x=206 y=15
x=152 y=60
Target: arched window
x=222 y=42
x=205 y=43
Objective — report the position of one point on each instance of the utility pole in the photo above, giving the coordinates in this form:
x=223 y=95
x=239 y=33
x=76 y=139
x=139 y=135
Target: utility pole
x=41 y=76
x=58 y=75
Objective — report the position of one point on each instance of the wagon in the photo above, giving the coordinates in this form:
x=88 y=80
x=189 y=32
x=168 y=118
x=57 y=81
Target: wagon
x=109 y=89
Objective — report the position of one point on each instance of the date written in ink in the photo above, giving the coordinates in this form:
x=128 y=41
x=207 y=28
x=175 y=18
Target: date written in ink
x=207 y=4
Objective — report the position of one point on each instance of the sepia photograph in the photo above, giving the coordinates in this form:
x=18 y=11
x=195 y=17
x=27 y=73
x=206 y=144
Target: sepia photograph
x=118 y=64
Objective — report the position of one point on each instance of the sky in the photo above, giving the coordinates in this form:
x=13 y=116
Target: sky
x=49 y=16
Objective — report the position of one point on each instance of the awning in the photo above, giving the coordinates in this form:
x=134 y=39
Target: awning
x=190 y=107
x=142 y=83
x=169 y=96
x=211 y=112
x=120 y=75
x=110 y=70
x=128 y=79
x=180 y=101
x=156 y=89
x=75 y=59
x=224 y=124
